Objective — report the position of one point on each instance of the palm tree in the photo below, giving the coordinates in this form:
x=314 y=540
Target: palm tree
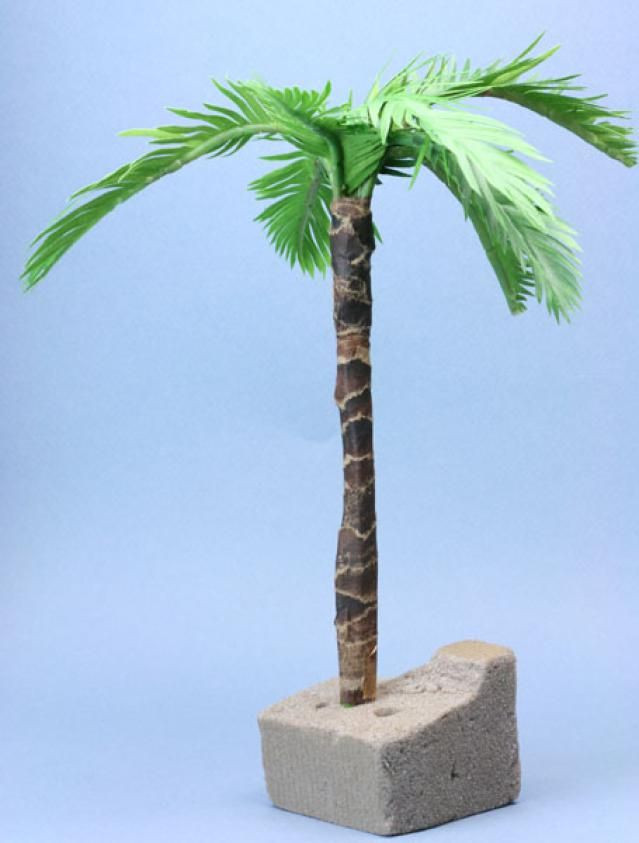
x=319 y=195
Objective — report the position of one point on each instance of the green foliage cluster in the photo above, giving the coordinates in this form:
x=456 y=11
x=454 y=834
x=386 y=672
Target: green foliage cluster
x=419 y=119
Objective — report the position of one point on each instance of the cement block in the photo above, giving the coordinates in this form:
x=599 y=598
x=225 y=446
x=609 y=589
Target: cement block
x=439 y=743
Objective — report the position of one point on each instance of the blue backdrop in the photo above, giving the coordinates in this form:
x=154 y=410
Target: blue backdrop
x=170 y=448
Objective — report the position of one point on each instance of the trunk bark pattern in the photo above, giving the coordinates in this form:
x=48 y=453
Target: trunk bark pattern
x=352 y=243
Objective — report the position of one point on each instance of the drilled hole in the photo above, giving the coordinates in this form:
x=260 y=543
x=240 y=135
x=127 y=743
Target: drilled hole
x=321 y=705
x=384 y=712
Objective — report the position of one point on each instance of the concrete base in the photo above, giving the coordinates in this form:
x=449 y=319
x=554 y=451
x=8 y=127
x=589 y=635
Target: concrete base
x=439 y=743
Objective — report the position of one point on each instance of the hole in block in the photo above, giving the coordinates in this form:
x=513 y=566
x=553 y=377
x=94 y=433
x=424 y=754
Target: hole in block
x=384 y=712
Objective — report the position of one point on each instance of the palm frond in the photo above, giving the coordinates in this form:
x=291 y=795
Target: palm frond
x=586 y=117
x=298 y=216
x=290 y=114
x=292 y=110
x=115 y=188
x=440 y=79
x=363 y=152
x=508 y=202
x=532 y=251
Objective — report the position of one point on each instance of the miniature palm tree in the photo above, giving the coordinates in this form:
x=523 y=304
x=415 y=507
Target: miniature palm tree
x=319 y=212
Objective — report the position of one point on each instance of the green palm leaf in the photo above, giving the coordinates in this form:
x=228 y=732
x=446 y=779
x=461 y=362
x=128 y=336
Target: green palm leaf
x=111 y=191
x=259 y=111
x=297 y=218
x=363 y=152
x=586 y=117
x=532 y=251
x=440 y=79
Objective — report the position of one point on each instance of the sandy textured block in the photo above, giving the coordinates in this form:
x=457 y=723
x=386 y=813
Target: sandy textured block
x=439 y=743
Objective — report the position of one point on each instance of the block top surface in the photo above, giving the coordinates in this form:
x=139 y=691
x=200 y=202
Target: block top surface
x=404 y=704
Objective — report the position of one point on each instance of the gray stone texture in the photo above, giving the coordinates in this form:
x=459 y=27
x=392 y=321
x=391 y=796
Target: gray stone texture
x=439 y=743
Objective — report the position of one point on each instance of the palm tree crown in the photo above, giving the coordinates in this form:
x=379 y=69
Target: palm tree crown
x=414 y=120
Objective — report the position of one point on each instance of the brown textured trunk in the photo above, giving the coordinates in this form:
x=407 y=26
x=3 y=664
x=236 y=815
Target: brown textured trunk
x=352 y=242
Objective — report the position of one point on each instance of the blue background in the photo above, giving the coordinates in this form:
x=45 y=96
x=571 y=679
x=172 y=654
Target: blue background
x=170 y=448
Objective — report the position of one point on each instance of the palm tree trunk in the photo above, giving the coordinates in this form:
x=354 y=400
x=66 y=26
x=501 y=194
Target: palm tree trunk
x=352 y=242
